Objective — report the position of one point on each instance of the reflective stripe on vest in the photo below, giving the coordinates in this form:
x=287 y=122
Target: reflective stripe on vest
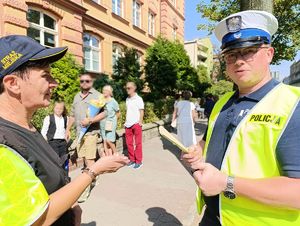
x=251 y=153
x=23 y=198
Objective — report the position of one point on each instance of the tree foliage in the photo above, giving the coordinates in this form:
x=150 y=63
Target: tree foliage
x=66 y=72
x=127 y=69
x=168 y=68
x=287 y=39
x=219 y=88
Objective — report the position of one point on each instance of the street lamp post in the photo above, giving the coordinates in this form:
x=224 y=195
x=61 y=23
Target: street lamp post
x=266 y=5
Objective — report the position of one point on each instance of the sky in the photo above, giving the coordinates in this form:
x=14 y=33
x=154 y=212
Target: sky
x=193 y=18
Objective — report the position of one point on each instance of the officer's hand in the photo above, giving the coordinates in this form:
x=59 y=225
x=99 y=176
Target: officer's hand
x=193 y=157
x=210 y=180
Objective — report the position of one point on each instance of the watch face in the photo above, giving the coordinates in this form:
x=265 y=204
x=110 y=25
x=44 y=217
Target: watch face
x=229 y=194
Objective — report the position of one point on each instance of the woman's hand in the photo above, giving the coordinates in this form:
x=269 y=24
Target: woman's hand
x=85 y=122
x=109 y=164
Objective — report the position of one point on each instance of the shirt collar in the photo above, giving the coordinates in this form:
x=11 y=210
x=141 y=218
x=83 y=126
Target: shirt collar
x=261 y=92
x=91 y=91
x=133 y=97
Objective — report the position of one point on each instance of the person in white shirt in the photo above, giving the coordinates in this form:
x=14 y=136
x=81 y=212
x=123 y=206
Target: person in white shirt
x=133 y=125
x=54 y=131
x=185 y=116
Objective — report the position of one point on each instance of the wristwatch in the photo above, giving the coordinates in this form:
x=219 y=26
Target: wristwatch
x=229 y=190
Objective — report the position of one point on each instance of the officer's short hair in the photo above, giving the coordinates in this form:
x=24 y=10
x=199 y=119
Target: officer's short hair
x=23 y=70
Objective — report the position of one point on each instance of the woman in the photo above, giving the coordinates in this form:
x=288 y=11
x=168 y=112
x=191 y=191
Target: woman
x=108 y=125
x=185 y=115
x=25 y=86
x=54 y=131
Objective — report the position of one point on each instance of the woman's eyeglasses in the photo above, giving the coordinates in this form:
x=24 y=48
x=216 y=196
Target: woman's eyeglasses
x=247 y=54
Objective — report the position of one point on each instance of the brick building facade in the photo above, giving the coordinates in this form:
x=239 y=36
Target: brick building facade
x=94 y=30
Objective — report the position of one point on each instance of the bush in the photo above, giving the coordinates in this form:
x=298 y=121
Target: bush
x=39 y=116
x=66 y=72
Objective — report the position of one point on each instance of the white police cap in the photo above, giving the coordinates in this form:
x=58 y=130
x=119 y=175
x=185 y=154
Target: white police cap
x=246 y=28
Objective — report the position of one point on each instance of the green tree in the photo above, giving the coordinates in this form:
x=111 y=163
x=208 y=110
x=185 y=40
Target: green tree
x=287 y=39
x=128 y=69
x=66 y=72
x=219 y=88
x=168 y=68
x=204 y=81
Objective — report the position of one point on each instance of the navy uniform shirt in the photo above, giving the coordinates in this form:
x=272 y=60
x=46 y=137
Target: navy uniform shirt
x=287 y=151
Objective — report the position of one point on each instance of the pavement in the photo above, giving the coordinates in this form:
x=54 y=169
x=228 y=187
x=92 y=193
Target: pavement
x=161 y=193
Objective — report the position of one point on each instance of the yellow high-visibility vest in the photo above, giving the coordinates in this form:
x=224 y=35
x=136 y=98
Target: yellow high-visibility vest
x=251 y=153
x=23 y=198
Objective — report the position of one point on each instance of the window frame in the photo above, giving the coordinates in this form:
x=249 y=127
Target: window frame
x=115 y=9
x=136 y=12
x=91 y=49
x=174 y=32
x=116 y=56
x=42 y=29
x=151 y=23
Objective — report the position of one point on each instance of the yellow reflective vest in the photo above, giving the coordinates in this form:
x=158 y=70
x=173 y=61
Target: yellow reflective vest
x=23 y=198
x=251 y=153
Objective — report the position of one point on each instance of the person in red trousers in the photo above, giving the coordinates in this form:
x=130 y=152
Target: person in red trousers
x=133 y=126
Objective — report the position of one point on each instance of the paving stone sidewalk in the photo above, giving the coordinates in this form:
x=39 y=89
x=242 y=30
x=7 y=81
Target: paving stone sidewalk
x=161 y=193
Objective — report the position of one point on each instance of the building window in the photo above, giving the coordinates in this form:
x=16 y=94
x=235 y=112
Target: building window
x=42 y=28
x=174 y=3
x=91 y=49
x=151 y=23
x=174 y=33
x=136 y=13
x=116 y=53
x=117 y=7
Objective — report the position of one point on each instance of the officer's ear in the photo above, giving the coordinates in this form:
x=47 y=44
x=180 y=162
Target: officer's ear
x=270 y=54
x=11 y=84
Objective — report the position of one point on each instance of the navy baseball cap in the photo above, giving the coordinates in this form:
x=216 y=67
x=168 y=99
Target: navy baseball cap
x=15 y=50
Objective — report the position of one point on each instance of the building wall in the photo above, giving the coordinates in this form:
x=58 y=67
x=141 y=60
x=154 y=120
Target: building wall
x=294 y=77
x=200 y=52
x=76 y=17
x=172 y=17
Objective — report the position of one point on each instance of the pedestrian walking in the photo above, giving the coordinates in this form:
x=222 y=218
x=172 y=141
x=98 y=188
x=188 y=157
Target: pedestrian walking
x=249 y=173
x=42 y=193
x=54 y=131
x=174 y=122
x=185 y=115
x=108 y=125
x=133 y=126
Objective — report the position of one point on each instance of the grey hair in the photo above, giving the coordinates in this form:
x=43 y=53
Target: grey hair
x=110 y=88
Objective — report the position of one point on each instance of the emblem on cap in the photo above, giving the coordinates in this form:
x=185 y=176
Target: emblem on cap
x=234 y=23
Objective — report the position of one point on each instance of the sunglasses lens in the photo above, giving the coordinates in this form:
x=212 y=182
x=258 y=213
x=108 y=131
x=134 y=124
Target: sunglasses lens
x=84 y=81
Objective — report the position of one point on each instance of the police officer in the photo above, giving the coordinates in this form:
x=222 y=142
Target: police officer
x=247 y=166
